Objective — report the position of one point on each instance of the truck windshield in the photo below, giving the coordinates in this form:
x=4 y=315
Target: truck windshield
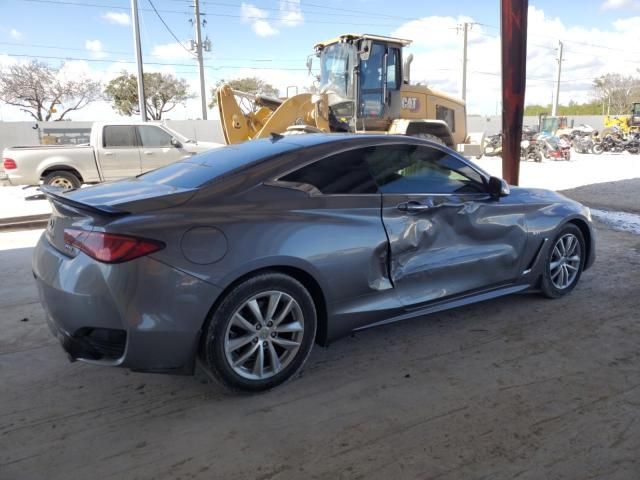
x=336 y=64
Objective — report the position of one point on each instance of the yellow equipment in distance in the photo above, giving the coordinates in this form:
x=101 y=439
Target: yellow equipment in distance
x=364 y=86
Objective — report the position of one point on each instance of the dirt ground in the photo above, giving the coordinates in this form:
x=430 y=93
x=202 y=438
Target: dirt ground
x=520 y=387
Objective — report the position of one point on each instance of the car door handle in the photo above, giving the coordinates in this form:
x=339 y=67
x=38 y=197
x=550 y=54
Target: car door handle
x=147 y=152
x=415 y=207
x=108 y=154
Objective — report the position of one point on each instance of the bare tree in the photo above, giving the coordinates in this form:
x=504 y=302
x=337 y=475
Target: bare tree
x=39 y=89
x=616 y=92
x=162 y=91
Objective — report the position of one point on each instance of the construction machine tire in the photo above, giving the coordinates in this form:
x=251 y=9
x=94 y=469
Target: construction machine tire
x=428 y=136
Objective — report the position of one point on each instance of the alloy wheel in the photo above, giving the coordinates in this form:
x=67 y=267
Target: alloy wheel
x=264 y=335
x=565 y=261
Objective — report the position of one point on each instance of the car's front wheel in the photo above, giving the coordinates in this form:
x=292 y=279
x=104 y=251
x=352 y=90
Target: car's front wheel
x=261 y=333
x=564 y=262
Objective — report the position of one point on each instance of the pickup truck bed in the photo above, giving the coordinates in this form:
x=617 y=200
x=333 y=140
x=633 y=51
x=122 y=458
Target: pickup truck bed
x=31 y=166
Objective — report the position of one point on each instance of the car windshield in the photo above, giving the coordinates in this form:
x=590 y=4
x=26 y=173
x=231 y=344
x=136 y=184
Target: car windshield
x=636 y=108
x=336 y=62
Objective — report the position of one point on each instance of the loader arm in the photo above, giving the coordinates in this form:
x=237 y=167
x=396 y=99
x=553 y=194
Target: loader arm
x=261 y=121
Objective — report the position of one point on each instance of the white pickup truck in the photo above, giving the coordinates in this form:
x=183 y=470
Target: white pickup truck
x=116 y=150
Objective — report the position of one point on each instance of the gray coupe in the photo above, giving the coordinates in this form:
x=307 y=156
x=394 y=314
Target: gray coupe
x=245 y=256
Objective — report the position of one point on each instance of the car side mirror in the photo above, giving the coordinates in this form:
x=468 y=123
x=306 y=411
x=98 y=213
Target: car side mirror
x=498 y=187
x=175 y=142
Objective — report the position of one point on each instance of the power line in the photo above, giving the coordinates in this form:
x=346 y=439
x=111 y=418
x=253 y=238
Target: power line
x=360 y=14
x=112 y=52
x=98 y=60
x=99 y=5
x=224 y=15
x=307 y=4
x=169 y=29
x=116 y=52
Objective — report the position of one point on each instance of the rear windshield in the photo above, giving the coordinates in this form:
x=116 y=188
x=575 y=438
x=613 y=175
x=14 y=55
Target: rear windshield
x=206 y=167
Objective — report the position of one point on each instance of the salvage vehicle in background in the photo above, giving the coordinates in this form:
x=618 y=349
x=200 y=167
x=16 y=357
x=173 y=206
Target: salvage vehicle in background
x=115 y=151
x=627 y=124
x=364 y=87
x=245 y=256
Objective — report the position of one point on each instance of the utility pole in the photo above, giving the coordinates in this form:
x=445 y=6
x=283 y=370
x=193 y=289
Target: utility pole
x=203 y=94
x=464 y=63
x=136 y=43
x=554 y=109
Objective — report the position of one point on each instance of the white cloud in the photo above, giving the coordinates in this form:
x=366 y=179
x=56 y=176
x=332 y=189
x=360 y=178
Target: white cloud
x=291 y=13
x=95 y=47
x=172 y=50
x=615 y=4
x=15 y=34
x=118 y=18
x=437 y=49
x=258 y=20
x=263 y=28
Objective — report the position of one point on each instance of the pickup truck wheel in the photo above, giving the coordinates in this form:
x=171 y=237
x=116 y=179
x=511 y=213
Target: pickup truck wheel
x=61 y=178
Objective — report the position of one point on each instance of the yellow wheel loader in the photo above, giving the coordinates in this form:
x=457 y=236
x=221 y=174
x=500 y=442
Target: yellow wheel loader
x=626 y=123
x=364 y=86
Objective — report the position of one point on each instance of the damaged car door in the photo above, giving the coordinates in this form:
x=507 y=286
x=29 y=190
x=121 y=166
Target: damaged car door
x=447 y=235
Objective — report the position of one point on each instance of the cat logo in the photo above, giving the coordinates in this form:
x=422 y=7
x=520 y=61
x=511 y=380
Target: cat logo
x=410 y=103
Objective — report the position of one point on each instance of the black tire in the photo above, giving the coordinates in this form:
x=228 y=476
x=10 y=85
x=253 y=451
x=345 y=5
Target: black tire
x=212 y=347
x=548 y=288
x=62 y=178
x=597 y=149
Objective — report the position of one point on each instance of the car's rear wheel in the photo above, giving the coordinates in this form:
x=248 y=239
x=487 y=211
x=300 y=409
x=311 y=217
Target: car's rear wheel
x=261 y=333
x=564 y=262
x=62 y=178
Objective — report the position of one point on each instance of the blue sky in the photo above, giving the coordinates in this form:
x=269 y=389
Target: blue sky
x=272 y=39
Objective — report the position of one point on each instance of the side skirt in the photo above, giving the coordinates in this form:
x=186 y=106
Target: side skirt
x=458 y=302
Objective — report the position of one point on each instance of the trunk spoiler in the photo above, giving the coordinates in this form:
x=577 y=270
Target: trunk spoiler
x=55 y=194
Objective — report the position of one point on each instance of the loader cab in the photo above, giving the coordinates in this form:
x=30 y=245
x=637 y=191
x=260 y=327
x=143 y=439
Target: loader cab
x=361 y=74
x=635 y=115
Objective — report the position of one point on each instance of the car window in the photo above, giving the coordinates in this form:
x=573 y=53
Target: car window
x=119 y=136
x=344 y=173
x=412 y=169
x=151 y=136
x=392 y=70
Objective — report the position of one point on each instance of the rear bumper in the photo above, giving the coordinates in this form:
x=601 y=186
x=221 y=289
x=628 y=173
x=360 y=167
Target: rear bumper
x=14 y=177
x=143 y=314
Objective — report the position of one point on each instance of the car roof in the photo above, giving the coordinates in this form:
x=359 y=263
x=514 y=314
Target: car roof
x=216 y=165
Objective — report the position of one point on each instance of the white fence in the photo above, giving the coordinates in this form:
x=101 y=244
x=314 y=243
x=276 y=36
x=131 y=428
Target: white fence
x=34 y=133
x=493 y=124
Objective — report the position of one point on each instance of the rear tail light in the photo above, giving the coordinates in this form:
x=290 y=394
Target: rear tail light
x=110 y=247
x=9 y=164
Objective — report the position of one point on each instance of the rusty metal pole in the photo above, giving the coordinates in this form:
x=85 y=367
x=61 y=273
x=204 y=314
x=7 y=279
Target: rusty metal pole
x=513 y=26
